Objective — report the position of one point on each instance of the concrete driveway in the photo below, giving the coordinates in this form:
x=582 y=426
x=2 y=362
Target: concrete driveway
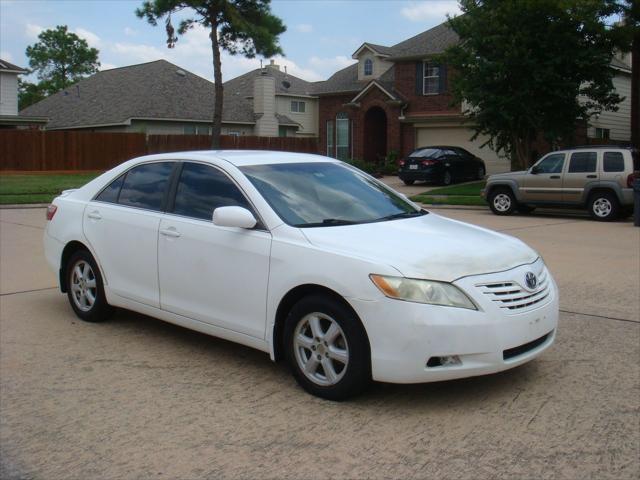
x=139 y=398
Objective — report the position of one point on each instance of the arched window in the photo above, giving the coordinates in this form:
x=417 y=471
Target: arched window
x=368 y=67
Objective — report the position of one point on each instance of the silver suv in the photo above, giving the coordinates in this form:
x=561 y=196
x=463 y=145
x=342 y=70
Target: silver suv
x=599 y=178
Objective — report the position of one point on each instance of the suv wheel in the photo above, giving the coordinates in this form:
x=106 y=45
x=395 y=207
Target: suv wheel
x=502 y=201
x=604 y=206
x=326 y=348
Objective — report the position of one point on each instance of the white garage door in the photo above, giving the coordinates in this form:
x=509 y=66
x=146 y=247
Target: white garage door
x=459 y=137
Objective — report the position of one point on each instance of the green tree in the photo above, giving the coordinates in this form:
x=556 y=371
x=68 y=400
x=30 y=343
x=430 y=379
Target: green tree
x=245 y=27
x=29 y=93
x=61 y=58
x=531 y=68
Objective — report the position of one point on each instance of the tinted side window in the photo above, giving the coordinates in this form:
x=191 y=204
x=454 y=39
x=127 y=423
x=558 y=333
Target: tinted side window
x=111 y=191
x=613 y=162
x=145 y=186
x=202 y=189
x=583 y=162
x=551 y=164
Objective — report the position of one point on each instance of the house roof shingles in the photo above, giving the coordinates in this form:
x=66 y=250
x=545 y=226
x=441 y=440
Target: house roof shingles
x=155 y=90
x=10 y=67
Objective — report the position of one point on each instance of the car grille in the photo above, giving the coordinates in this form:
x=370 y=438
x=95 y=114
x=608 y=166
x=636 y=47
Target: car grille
x=515 y=298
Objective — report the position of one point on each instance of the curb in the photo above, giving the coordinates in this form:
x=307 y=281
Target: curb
x=23 y=206
x=454 y=207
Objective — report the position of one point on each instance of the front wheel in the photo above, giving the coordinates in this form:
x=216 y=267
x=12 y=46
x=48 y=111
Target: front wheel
x=85 y=288
x=327 y=349
x=502 y=202
x=604 y=206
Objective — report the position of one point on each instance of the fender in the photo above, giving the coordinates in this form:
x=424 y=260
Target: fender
x=603 y=184
x=515 y=188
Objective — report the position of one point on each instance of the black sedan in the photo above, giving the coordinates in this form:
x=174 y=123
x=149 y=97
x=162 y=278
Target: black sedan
x=442 y=164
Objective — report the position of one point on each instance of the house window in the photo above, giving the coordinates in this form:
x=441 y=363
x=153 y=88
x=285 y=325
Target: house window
x=189 y=129
x=603 y=133
x=330 y=133
x=234 y=133
x=298 y=106
x=342 y=136
x=431 y=81
x=368 y=67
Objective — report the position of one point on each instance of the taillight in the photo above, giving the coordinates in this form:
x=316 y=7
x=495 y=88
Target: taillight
x=51 y=211
x=401 y=163
x=426 y=163
x=632 y=178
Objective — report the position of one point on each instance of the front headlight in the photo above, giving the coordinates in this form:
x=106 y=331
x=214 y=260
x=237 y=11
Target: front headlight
x=422 y=291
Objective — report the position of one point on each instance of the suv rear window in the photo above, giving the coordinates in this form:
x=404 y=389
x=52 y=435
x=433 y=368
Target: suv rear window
x=613 y=162
x=583 y=162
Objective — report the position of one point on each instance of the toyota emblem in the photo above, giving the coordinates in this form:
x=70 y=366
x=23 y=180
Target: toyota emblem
x=531 y=280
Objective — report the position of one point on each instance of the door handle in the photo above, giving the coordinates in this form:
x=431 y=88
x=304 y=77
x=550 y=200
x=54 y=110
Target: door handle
x=592 y=176
x=95 y=215
x=170 y=232
x=554 y=176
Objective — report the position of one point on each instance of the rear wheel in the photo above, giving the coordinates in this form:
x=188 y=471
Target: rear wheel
x=327 y=349
x=85 y=288
x=604 y=206
x=502 y=201
x=409 y=182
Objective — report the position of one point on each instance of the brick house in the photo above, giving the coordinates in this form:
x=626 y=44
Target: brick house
x=395 y=99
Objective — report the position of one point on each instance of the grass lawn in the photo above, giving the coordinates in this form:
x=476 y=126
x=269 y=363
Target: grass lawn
x=39 y=188
x=468 y=194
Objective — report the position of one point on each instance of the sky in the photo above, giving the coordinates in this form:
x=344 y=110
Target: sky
x=320 y=38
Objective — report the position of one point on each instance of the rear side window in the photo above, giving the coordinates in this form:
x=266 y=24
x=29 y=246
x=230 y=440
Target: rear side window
x=111 y=191
x=583 y=162
x=551 y=164
x=202 y=189
x=613 y=162
x=145 y=186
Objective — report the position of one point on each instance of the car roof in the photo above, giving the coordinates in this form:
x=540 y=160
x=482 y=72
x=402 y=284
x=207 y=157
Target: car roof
x=241 y=158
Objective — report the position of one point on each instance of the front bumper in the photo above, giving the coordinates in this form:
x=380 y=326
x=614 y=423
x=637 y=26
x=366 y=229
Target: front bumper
x=405 y=335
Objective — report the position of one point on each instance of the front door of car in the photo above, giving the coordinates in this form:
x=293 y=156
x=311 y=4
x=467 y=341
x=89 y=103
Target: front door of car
x=217 y=275
x=543 y=181
x=121 y=225
x=581 y=170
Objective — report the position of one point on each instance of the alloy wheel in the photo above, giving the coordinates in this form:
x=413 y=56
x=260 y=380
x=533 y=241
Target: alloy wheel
x=84 y=287
x=320 y=349
x=502 y=202
x=602 y=207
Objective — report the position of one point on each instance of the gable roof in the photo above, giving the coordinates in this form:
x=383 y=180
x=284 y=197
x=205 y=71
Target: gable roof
x=155 y=90
x=431 y=42
x=379 y=50
x=10 y=67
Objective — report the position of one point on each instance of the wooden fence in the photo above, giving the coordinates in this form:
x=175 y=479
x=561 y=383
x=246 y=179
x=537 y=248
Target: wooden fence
x=31 y=150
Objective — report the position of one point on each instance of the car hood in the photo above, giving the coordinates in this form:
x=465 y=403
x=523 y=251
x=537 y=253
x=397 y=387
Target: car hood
x=508 y=174
x=430 y=247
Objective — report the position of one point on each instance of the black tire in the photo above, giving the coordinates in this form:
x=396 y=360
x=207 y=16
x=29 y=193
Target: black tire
x=447 y=178
x=604 y=206
x=502 y=201
x=526 y=209
x=409 y=182
x=99 y=310
x=355 y=375
x=481 y=172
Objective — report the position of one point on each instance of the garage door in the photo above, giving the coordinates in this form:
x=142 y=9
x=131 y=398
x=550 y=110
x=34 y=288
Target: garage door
x=459 y=137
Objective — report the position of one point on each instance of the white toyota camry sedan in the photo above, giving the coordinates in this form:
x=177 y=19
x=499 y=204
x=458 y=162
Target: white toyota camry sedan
x=306 y=258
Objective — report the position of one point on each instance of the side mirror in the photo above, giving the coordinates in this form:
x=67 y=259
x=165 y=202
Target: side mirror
x=535 y=170
x=237 y=217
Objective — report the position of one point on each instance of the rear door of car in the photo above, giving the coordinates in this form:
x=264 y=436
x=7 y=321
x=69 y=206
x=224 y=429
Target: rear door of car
x=546 y=184
x=121 y=224
x=580 y=171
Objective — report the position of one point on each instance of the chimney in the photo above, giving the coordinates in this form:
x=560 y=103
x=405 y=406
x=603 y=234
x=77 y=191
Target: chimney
x=274 y=65
x=264 y=105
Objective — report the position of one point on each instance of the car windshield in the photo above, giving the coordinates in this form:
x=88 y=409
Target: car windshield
x=326 y=194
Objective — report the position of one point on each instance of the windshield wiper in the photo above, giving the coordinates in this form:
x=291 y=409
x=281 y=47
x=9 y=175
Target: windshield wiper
x=327 y=222
x=416 y=213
